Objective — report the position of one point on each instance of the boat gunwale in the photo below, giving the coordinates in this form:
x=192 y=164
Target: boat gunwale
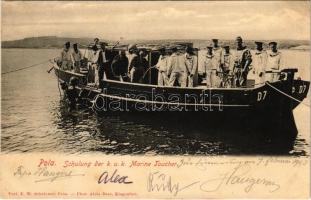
x=157 y=86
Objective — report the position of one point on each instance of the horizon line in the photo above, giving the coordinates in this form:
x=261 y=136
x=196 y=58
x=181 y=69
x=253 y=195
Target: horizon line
x=85 y=37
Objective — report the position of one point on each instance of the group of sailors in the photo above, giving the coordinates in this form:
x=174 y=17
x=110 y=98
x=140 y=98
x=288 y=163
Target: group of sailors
x=220 y=64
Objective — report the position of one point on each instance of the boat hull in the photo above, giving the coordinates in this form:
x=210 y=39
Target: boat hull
x=263 y=110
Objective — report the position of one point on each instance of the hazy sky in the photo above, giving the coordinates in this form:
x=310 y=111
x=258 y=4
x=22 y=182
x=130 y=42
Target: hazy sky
x=157 y=20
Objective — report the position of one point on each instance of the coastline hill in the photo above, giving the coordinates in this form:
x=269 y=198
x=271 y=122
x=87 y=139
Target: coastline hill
x=57 y=42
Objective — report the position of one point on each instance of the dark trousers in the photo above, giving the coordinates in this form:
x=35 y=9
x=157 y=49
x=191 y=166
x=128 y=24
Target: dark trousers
x=104 y=68
x=100 y=75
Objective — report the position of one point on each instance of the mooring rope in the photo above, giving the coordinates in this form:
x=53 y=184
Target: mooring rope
x=287 y=95
x=34 y=65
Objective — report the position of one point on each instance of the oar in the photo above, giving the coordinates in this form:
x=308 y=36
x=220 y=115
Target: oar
x=50 y=69
x=148 y=71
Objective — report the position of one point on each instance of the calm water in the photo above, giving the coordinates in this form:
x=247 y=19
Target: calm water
x=34 y=119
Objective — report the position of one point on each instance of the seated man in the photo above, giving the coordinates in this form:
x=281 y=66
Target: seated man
x=119 y=65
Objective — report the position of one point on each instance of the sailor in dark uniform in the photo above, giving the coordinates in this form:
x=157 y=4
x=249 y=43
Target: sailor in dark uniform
x=119 y=65
x=227 y=66
x=104 y=63
x=242 y=61
x=138 y=65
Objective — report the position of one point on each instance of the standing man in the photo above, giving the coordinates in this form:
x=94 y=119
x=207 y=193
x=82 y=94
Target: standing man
x=138 y=65
x=144 y=64
x=93 y=65
x=242 y=61
x=177 y=69
x=162 y=68
x=96 y=41
x=217 y=53
x=210 y=65
x=259 y=63
x=134 y=63
x=119 y=65
x=273 y=63
x=65 y=57
x=192 y=66
x=228 y=63
x=104 y=62
x=76 y=57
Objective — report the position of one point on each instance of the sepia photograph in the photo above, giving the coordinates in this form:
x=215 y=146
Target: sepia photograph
x=179 y=79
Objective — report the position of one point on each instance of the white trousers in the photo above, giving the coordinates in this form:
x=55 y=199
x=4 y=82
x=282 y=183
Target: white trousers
x=181 y=78
x=211 y=78
x=272 y=77
x=162 y=79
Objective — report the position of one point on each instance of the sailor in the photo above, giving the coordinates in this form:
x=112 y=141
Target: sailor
x=228 y=63
x=133 y=51
x=119 y=65
x=273 y=63
x=210 y=66
x=242 y=61
x=104 y=63
x=76 y=57
x=133 y=61
x=162 y=68
x=259 y=63
x=93 y=67
x=143 y=62
x=177 y=69
x=65 y=57
x=138 y=65
x=96 y=41
x=192 y=66
x=217 y=53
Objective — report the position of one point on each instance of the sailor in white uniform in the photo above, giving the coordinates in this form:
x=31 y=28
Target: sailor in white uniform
x=162 y=68
x=192 y=65
x=65 y=57
x=273 y=63
x=210 y=66
x=177 y=69
x=259 y=63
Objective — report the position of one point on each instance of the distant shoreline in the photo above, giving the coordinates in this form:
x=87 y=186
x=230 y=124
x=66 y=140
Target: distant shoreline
x=54 y=42
x=292 y=49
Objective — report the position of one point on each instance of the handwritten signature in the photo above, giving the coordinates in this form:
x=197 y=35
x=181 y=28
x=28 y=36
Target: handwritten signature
x=240 y=175
x=44 y=174
x=161 y=182
x=114 y=178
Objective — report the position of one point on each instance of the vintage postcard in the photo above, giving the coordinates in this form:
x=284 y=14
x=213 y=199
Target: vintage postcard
x=155 y=100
